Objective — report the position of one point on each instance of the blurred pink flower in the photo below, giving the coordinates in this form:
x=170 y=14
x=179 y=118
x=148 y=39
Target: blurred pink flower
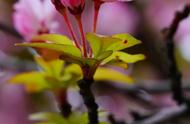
x=33 y=17
x=159 y=13
x=125 y=19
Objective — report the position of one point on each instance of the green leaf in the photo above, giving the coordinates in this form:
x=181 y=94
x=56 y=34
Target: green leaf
x=64 y=49
x=73 y=68
x=56 y=67
x=48 y=118
x=126 y=41
x=54 y=38
x=72 y=59
x=109 y=74
x=124 y=57
x=104 y=55
x=43 y=64
x=55 y=118
x=95 y=43
x=102 y=73
x=99 y=43
x=33 y=81
x=51 y=68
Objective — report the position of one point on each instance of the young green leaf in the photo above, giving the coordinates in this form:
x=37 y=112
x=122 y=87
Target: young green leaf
x=55 y=118
x=126 y=41
x=34 y=81
x=124 y=57
x=102 y=73
x=104 y=55
x=54 y=38
x=95 y=43
x=64 y=49
x=48 y=118
x=109 y=74
x=99 y=43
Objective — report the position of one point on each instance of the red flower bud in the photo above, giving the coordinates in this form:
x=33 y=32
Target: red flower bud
x=59 y=6
x=75 y=6
x=111 y=0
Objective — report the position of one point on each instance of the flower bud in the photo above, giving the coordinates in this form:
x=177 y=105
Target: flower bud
x=59 y=6
x=112 y=0
x=75 y=6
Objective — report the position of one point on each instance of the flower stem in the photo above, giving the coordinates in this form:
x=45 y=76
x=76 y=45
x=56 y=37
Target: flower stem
x=79 y=21
x=71 y=29
x=97 y=5
x=89 y=100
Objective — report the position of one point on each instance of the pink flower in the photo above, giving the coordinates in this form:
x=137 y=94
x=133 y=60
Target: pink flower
x=97 y=5
x=32 y=17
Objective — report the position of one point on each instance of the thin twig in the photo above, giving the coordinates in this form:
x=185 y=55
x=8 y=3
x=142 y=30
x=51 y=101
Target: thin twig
x=7 y=29
x=174 y=73
x=113 y=121
x=165 y=115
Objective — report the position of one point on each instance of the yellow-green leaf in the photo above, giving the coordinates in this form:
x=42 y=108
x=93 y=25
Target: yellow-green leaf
x=56 y=67
x=51 y=68
x=33 y=81
x=95 y=43
x=104 y=55
x=54 y=38
x=126 y=40
x=124 y=57
x=74 y=69
x=55 y=118
x=43 y=64
x=100 y=43
x=48 y=118
x=109 y=74
x=65 y=49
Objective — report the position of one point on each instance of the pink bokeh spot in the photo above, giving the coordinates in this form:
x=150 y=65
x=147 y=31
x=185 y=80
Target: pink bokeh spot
x=31 y=16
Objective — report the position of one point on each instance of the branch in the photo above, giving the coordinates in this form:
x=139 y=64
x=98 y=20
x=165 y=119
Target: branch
x=165 y=115
x=113 y=121
x=64 y=106
x=89 y=100
x=174 y=73
x=5 y=28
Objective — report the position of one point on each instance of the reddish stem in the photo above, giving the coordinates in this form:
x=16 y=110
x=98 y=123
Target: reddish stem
x=71 y=29
x=97 y=5
x=78 y=18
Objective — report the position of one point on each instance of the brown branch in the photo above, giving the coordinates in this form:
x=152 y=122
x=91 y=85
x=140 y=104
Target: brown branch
x=9 y=30
x=113 y=121
x=165 y=115
x=64 y=106
x=89 y=100
x=174 y=73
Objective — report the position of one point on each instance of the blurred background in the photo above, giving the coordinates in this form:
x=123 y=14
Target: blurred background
x=144 y=19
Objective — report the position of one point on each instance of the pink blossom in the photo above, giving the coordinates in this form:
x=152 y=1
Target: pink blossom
x=125 y=19
x=33 y=17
